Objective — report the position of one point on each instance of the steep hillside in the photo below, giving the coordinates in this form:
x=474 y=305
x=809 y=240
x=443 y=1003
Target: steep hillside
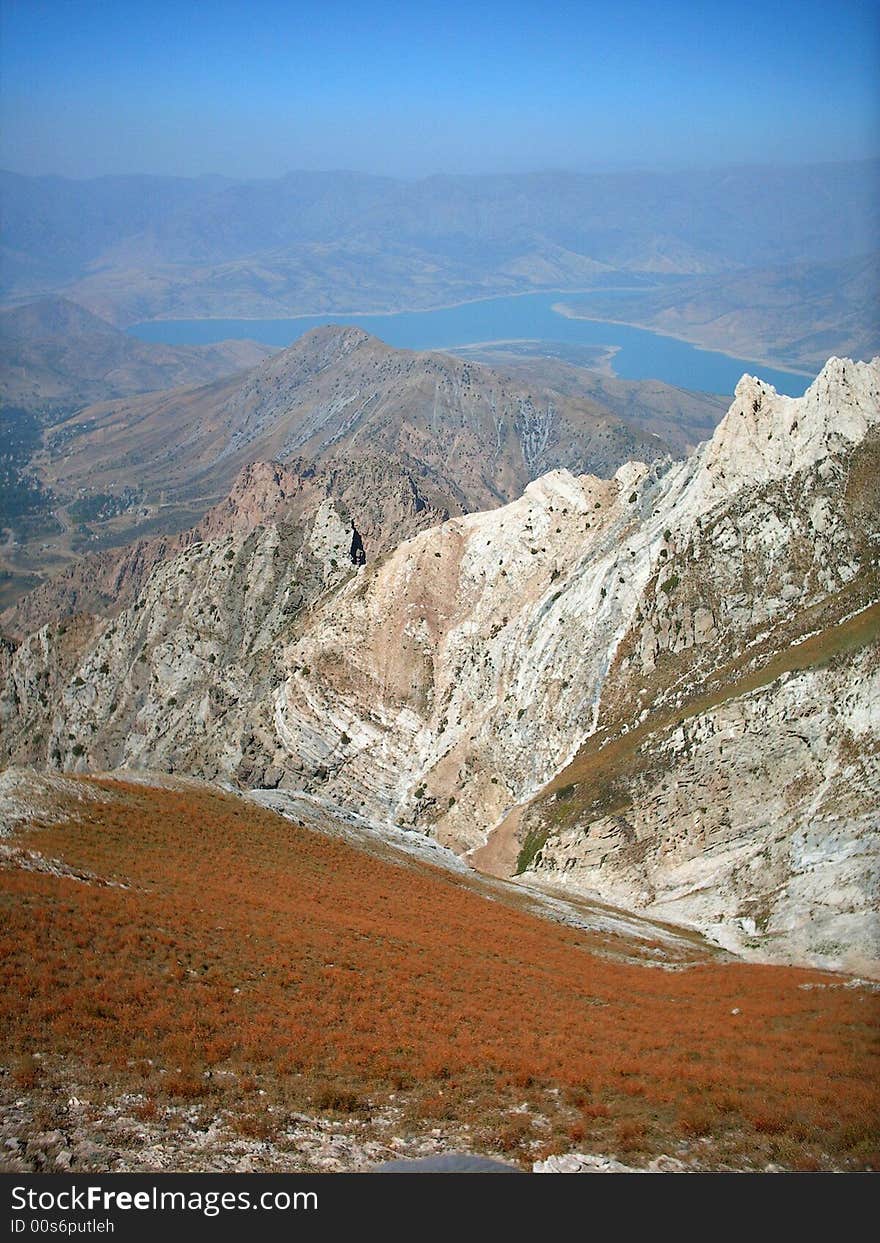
x=750 y=813
x=448 y=681
x=340 y=390
x=380 y=494
x=193 y=982
x=681 y=418
x=56 y=357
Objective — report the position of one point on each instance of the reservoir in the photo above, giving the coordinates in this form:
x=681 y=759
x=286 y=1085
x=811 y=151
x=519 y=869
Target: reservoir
x=640 y=354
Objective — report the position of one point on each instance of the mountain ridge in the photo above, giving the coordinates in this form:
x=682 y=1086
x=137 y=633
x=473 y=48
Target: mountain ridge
x=141 y=248
x=149 y=465
x=388 y=499
x=333 y=390
x=447 y=681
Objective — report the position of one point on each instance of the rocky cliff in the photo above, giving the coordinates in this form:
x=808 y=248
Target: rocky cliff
x=687 y=654
x=147 y=468
x=390 y=500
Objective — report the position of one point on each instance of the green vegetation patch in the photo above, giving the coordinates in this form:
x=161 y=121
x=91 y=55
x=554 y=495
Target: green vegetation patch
x=535 y=841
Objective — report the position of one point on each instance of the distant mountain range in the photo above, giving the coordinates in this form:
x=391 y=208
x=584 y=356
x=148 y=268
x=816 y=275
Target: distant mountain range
x=136 y=248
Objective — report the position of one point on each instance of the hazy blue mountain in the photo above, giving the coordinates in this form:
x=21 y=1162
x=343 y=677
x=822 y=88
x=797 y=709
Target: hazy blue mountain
x=138 y=247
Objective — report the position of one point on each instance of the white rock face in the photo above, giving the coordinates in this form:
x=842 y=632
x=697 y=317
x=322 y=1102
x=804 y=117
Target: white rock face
x=767 y=436
x=594 y=1163
x=443 y=685
x=470 y=661
x=757 y=821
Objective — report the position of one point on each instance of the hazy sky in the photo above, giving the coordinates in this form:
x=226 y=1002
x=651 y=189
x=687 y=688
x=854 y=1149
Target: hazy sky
x=260 y=88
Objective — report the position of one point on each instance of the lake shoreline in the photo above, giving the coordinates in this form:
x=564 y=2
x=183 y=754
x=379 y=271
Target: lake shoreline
x=560 y=309
x=567 y=313
x=403 y=310
x=537 y=318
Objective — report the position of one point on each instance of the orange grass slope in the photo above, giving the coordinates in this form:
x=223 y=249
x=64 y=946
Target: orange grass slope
x=193 y=941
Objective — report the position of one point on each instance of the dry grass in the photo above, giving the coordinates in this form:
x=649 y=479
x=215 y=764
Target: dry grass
x=250 y=956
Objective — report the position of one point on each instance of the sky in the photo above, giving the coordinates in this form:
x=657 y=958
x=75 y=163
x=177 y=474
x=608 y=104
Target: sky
x=408 y=89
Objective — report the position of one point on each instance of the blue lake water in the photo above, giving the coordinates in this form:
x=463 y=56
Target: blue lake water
x=641 y=355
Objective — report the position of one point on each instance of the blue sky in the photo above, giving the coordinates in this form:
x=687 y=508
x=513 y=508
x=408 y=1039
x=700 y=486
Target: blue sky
x=413 y=88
